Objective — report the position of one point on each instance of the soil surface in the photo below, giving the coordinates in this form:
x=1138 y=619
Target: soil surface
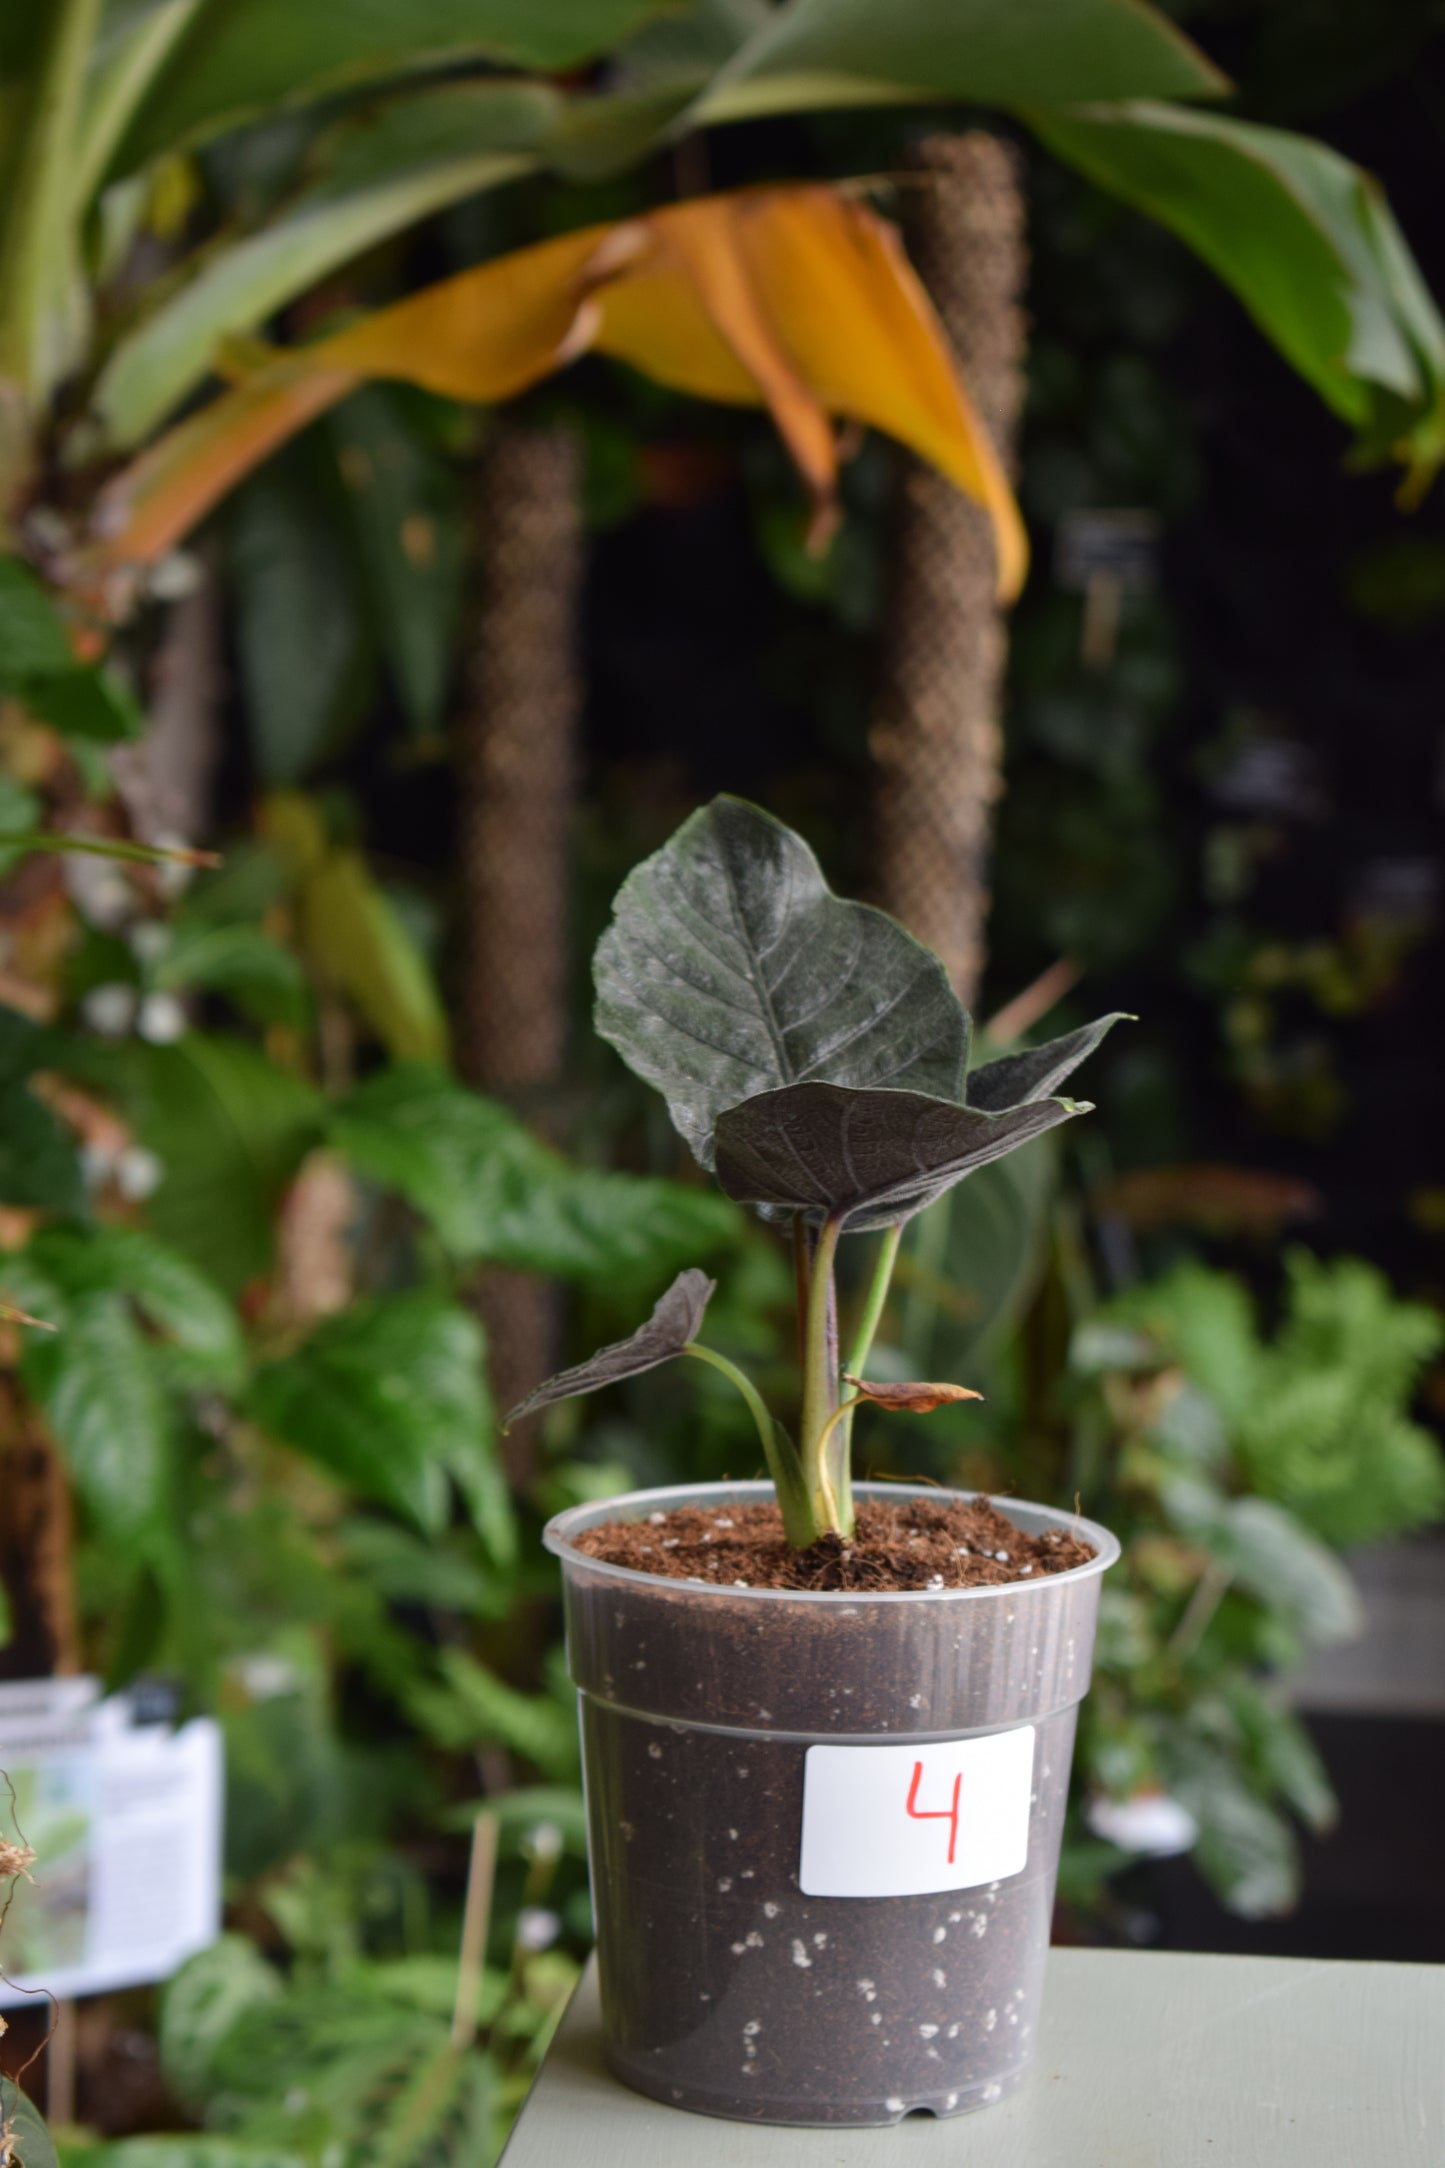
x=916 y=1543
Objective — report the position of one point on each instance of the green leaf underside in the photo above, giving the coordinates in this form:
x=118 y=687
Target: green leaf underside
x=243 y=57
x=1302 y=236
x=731 y=969
x=1036 y=1072
x=869 y=1158
x=1007 y=52
x=675 y=1320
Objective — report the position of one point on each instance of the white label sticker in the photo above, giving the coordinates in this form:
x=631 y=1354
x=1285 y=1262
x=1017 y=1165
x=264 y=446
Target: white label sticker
x=901 y=1821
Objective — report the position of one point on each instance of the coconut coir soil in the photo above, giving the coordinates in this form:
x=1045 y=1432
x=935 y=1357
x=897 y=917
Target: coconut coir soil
x=915 y=1543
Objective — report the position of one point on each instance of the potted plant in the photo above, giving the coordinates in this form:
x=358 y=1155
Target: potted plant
x=826 y=1732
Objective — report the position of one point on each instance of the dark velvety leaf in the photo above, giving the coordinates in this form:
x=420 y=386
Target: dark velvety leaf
x=386 y=1395
x=914 y=1399
x=1035 y=1072
x=676 y=1320
x=870 y=1157
x=493 y=1190
x=731 y=968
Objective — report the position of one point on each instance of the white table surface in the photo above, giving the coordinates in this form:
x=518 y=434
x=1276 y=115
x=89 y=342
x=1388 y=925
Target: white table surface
x=1146 y=2060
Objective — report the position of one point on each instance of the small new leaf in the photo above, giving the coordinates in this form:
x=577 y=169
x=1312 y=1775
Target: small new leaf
x=1038 y=1071
x=731 y=968
x=909 y=1399
x=673 y=1323
x=868 y=1158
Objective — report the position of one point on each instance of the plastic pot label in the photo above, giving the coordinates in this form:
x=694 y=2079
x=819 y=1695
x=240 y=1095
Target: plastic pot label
x=904 y=1821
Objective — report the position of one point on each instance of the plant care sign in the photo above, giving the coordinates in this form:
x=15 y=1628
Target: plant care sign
x=907 y=1821
x=123 y=1814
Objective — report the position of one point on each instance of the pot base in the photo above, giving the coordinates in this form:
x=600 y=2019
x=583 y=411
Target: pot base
x=849 y=2114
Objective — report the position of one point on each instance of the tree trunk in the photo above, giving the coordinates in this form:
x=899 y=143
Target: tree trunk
x=936 y=735
x=516 y=773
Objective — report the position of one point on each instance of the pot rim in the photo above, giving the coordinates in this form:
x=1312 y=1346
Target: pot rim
x=631 y=1505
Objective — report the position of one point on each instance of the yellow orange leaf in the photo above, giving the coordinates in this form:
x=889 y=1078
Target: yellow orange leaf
x=799 y=299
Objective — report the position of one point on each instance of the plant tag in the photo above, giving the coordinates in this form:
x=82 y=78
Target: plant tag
x=901 y=1821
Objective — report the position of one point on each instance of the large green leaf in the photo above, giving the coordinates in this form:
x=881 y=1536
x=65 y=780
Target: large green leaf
x=731 y=968
x=991 y=52
x=242 y=57
x=381 y=172
x=494 y=1191
x=1302 y=236
x=869 y=1158
x=385 y=1395
x=229 y=1128
x=405 y=510
x=360 y=945
x=100 y=1389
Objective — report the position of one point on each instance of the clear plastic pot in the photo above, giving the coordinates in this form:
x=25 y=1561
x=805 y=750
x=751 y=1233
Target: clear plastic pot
x=757 y=1957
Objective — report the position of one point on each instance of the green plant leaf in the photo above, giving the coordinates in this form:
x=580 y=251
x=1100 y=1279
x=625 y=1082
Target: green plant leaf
x=39 y=1160
x=89 y=704
x=33 y=639
x=300 y=639
x=164 y=1286
x=242 y=57
x=381 y=171
x=1245 y=1850
x=239 y=959
x=816 y=53
x=21 y=2124
x=1302 y=236
x=479 y=1708
x=871 y=1158
x=385 y=1395
x=1271 y=1556
x=1035 y=1072
x=676 y=1319
x=229 y=1128
x=731 y=968
x=101 y=1392
x=494 y=1191
x=405 y=511
x=357 y=941
x=201 y=2004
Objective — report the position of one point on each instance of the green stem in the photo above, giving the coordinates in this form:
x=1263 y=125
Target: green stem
x=820 y=1384
x=140 y=854
x=779 y=1452
x=862 y=1347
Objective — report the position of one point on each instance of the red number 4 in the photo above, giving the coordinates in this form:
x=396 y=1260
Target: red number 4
x=935 y=1814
